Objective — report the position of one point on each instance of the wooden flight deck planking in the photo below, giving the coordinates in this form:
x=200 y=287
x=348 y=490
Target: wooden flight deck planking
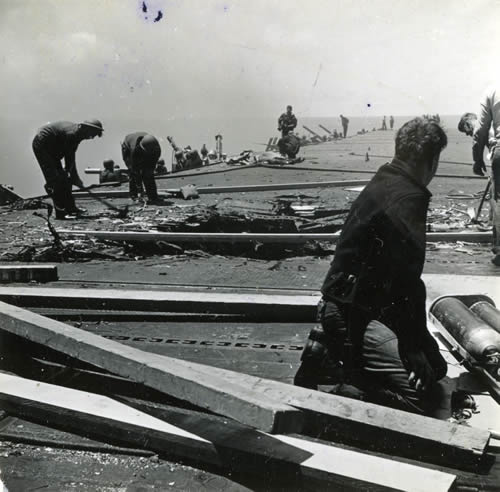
x=195 y=385
x=252 y=400
x=266 y=307
x=246 y=237
x=371 y=425
x=231 y=445
x=235 y=189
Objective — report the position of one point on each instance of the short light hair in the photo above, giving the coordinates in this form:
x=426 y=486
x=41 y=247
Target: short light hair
x=420 y=139
x=464 y=119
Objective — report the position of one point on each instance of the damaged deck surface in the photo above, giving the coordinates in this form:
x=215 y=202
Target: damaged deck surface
x=269 y=350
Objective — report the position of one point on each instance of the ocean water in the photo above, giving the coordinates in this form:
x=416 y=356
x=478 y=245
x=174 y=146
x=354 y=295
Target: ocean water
x=19 y=168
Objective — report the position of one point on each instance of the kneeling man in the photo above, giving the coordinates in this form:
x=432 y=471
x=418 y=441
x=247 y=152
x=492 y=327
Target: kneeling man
x=373 y=339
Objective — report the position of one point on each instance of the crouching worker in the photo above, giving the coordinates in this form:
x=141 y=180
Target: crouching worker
x=52 y=143
x=373 y=339
x=110 y=173
x=140 y=152
x=289 y=145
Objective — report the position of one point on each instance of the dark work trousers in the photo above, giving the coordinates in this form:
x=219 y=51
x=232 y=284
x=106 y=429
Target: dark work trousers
x=344 y=127
x=373 y=367
x=58 y=185
x=141 y=177
x=495 y=199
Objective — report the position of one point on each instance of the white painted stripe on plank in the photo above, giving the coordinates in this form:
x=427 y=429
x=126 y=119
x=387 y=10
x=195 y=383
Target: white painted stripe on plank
x=89 y=403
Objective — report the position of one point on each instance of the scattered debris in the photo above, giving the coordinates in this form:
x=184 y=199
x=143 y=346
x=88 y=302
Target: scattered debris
x=29 y=204
x=7 y=195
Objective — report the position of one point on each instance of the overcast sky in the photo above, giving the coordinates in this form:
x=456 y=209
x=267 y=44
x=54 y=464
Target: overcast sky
x=109 y=58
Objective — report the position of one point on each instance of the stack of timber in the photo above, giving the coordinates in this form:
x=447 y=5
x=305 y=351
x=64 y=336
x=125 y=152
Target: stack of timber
x=233 y=421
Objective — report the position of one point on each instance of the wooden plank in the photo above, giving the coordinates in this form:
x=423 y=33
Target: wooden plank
x=361 y=171
x=374 y=426
x=230 y=237
x=280 y=186
x=236 y=189
x=204 y=237
x=26 y=273
x=261 y=307
x=340 y=418
x=213 y=440
x=197 y=386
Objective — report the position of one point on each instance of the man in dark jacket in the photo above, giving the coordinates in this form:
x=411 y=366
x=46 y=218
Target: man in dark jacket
x=52 y=143
x=373 y=335
x=345 y=124
x=287 y=122
x=140 y=152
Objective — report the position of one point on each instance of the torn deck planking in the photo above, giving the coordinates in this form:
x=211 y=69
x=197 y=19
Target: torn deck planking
x=197 y=437
x=197 y=386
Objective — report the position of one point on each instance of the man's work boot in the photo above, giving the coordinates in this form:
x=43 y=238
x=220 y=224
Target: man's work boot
x=77 y=210
x=317 y=366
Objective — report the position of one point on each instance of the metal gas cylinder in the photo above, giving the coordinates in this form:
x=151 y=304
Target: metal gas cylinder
x=476 y=336
x=487 y=313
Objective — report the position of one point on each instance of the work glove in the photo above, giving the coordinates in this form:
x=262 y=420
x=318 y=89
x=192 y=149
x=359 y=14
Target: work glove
x=479 y=168
x=421 y=373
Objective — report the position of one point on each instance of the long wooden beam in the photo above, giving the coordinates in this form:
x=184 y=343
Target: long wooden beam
x=247 y=237
x=263 y=307
x=197 y=386
x=236 y=189
x=212 y=440
x=349 y=420
x=375 y=426
x=362 y=171
x=204 y=237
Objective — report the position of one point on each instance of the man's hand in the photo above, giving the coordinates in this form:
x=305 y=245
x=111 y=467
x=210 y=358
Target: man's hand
x=479 y=168
x=421 y=372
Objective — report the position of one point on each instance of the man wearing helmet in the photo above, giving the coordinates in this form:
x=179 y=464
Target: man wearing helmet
x=140 y=152
x=54 y=142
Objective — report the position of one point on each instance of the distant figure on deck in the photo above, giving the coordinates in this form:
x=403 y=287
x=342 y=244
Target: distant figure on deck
x=287 y=122
x=161 y=168
x=485 y=132
x=373 y=342
x=289 y=145
x=384 y=124
x=204 y=154
x=345 y=124
x=52 y=143
x=109 y=173
x=391 y=122
x=141 y=152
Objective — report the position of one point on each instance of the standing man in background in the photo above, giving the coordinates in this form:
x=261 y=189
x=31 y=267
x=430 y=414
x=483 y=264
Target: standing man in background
x=345 y=124
x=391 y=122
x=485 y=132
x=54 y=142
x=287 y=122
x=141 y=152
